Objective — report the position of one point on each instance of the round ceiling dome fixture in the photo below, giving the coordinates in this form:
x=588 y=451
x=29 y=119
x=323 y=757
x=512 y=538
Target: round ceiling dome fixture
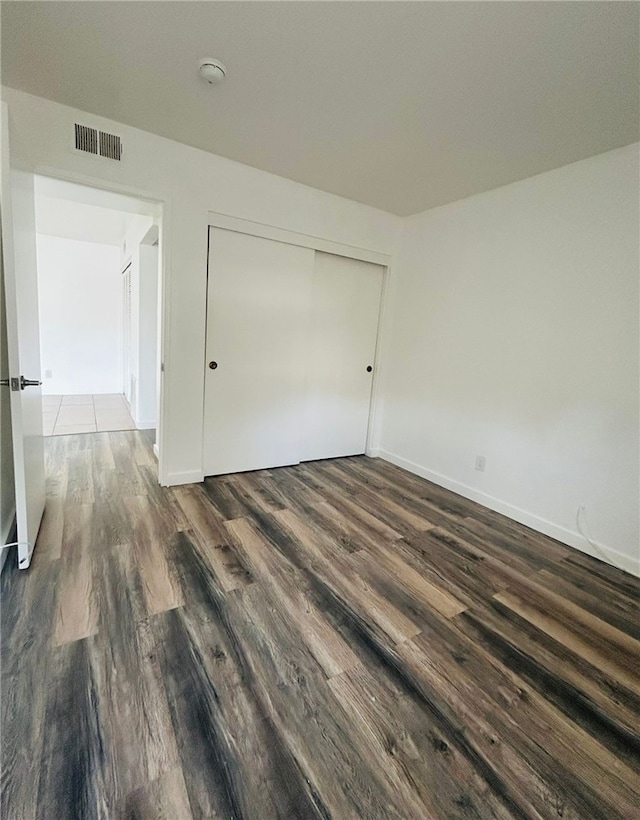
x=212 y=71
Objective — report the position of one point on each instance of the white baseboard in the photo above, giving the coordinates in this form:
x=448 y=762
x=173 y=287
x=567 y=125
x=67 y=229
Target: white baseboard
x=146 y=425
x=156 y=451
x=566 y=536
x=186 y=477
x=5 y=535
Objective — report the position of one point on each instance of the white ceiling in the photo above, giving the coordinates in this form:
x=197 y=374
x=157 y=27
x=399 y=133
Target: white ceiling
x=401 y=105
x=72 y=211
x=83 y=194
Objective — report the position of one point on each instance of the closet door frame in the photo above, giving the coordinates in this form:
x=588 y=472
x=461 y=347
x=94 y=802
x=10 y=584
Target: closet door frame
x=316 y=243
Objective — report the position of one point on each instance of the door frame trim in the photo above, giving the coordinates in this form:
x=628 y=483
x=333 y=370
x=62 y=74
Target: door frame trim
x=289 y=237
x=164 y=285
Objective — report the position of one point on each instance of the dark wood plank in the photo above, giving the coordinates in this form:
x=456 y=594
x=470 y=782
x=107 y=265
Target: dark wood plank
x=337 y=573
x=601 y=644
x=343 y=502
x=49 y=542
x=27 y=618
x=209 y=532
x=72 y=780
x=457 y=507
x=80 y=488
x=618 y=610
x=130 y=696
x=517 y=731
x=56 y=466
x=151 y=534
x=234 y=688
x=77 y=613
x=409 y=746
x=586 y=695
x=288 y=588
x=398 y=517
x=338 y=639
x=434 y=595
x=165 y=798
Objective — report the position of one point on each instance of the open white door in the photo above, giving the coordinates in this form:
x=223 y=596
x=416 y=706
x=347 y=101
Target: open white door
x=17 y=206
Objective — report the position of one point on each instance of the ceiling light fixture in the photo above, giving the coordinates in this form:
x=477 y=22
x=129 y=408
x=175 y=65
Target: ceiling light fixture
x=212 y=71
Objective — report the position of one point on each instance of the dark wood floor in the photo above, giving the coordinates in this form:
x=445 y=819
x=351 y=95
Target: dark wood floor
x=333 y=640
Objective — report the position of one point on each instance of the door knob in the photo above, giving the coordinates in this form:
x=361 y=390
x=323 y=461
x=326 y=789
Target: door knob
x=213 y=365
x=28 y=383
x=369 y=369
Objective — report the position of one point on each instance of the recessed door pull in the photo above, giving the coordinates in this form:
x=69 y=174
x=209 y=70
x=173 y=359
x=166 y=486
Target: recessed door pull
x=213 y=365
x=369 y=369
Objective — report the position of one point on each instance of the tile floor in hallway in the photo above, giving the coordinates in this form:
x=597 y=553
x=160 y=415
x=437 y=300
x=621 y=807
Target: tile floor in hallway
x=97 y=413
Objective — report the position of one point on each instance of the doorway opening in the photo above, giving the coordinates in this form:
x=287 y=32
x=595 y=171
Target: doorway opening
x=98 y=267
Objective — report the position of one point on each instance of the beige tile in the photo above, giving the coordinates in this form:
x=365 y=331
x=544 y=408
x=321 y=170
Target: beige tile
x=74 y=400
x=115 y=422
x=120 y=415
x=51 y=401
x=80 y=414
x=71 y=429
x=112 y=412
x=76 y=408
x=110 y=401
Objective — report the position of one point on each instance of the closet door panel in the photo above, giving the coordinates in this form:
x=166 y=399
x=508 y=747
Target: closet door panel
x=343 y=328
x=257 y=310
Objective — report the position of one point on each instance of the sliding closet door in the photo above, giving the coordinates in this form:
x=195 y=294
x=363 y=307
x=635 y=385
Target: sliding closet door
x=257 y=308
x=343 y=326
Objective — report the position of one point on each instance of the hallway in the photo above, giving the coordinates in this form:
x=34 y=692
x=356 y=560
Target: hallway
x=97 y=413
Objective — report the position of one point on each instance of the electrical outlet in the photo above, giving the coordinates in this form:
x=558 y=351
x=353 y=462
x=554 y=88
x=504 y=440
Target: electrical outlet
x=48 y=374
x=481 y=462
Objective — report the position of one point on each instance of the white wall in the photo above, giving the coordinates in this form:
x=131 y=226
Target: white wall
x=514 y=335
x=56 y=216
x=144 y=314
x=80 y=300
x=7 y=490
x=190 y=183
x=148 y=337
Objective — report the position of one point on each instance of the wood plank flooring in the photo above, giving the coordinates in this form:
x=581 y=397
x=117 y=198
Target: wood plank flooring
x=339 y=639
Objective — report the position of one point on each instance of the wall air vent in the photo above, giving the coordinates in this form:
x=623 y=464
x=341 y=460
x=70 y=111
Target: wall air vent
x=86 y=139
x=99 y=143
x=110 y=146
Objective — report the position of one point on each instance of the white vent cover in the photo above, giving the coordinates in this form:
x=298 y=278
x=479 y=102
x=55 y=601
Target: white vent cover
x=99 y=143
